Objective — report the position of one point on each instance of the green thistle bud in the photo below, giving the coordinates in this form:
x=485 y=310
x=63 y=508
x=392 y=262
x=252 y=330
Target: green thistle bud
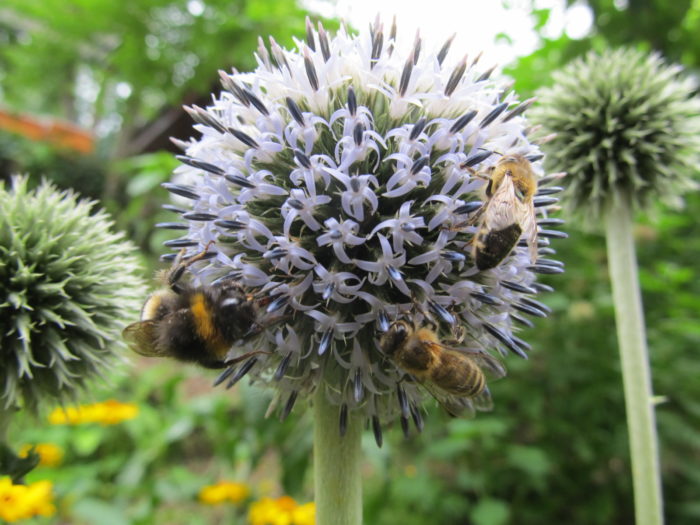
x=66 y=283
x=626 y=124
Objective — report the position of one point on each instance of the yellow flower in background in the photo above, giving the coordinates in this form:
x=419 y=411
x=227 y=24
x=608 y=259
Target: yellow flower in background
x=304 y=514
x=266 y=512
x=224 y=491
x=18 y=502
x=50 y=455
x=113 y=412
x=281 y=511
x=108 y=412
x=11 y=500
x=39 y=499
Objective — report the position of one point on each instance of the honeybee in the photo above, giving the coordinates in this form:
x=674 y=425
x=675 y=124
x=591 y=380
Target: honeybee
x=454 y=377
x=508 y=213
x=194 y=323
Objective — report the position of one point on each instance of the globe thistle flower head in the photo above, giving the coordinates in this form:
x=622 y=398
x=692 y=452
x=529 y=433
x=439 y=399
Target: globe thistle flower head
x=341 y=182
x=624 y=123
x=67 y=282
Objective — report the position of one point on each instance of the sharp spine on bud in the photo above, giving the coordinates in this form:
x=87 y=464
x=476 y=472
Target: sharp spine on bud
x=224 y=375
x=526 y=309
x=289 y=405
x=456 y=75
x=282 y=368
x=462 y=121
x=405 y=426
x=551 y=190
x=406 y=76
x=244 y=138
x=180 y=243
x=352 y=102
x=486 y=74
x=310 y=40
x=181 y=190
x=323 y=40
x=519 y=109
x=173 y=208
x=294 y=111
x=445 y=49
x=201 y=217
x=358 y=387
x=417 y=129
x=553 y=234
x=504 y=339
x=493 y=115
x=516 y=287
x=377 y=430
x=242 y=371
x=486 y=298
x=541 y=287
x=417 y=417
x=173 y=225
x=310 y=71
x=468 y=207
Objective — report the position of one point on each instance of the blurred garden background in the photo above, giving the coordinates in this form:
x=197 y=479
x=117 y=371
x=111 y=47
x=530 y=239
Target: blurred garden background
x=91 y=91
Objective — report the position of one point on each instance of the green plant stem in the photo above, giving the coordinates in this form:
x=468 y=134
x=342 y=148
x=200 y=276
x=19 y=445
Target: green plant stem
x=636 y=373
x=337 y=480
x=5 y=418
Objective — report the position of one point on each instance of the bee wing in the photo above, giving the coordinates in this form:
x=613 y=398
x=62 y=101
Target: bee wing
x=528 y=222
x=453 y=405
x=500 y=211
x=490 y=364
x=483 y=359
x=483 y=401
x=141 y=338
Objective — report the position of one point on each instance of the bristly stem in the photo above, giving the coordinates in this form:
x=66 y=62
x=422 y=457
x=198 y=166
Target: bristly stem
x=636 y=371
x=337 y=459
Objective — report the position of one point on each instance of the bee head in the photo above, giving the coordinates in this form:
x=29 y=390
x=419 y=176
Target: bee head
x=397 y=334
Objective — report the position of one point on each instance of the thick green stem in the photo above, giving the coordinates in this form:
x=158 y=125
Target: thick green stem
x=337 y=481
x=636 y=372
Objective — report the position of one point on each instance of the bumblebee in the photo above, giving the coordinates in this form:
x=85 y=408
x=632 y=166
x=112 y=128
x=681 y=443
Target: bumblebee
x=508 y=213
x=197 y=324
x=453 y=376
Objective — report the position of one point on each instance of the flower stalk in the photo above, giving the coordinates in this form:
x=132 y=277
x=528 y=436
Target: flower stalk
x=337 y=459
x=625 y=125
x=634 y=356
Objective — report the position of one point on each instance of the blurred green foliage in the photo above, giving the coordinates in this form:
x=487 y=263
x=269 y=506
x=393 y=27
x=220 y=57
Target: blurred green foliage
x=95 y=59
x=668 y=27
x=149 y=470
x=555 y=446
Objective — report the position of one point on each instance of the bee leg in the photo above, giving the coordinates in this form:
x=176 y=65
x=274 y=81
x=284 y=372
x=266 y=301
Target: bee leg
x=245 y=356
x=181 y=265
x=258 y=327
x=427 y=316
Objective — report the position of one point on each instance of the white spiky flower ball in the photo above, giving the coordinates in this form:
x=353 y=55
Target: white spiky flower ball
x=335 y=180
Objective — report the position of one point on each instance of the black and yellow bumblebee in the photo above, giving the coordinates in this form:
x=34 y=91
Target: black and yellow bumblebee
x=197 y=324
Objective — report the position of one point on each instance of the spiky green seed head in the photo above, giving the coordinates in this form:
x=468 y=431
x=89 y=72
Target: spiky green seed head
x=67 y=283
x=626 y=124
